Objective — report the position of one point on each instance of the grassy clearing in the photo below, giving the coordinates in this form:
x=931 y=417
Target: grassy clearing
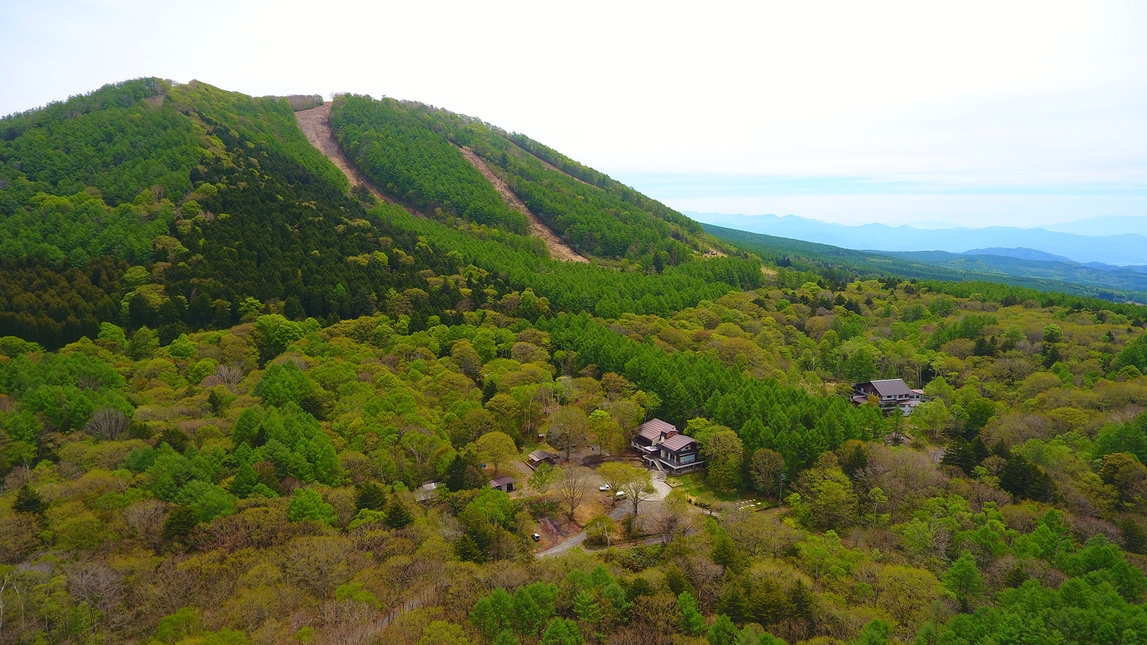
x=695 y=486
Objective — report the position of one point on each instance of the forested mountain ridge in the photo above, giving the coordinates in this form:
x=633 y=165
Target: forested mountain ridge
x=1115 y=284
x=410 y=149
x=218 y=430
x=229 y=202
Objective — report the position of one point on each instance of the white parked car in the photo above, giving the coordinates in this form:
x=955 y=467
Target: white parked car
x=619 y=494
x=603 y=487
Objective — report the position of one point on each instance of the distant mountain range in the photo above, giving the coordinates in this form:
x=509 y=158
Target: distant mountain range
x=1097 y=251
x=1020 y=267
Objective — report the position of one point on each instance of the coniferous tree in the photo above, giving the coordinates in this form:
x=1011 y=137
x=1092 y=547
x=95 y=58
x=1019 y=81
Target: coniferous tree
x=245 y=480
x=963 y=580
x=180 y=521
x=370 y=496
x=397 y=515
x=692 y=621
x=29 y=501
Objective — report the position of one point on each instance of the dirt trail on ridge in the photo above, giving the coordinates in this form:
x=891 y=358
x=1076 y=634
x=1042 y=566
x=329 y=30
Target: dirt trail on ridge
x=558 y=248
x=316 y=124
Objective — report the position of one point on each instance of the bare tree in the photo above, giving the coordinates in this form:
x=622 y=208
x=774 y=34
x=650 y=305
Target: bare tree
x=638 y=488
x=146 y=517
x=99 y=586
x=572 y=487
x=673 y=518
x=107 y=424
x=228 y=375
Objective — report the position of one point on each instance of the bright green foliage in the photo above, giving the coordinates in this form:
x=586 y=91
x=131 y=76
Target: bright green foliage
x=1129 y=437
x=441 y=632
x=47 y=385
x=562 y=631
x=638 y=211
x=541 y=478
x=115 y=142
x=723 y=452
x=506 y=638
x=76 y=228
x=1079 y=612
x=534 y=605
x=601 y=217
x=178 y=626
x=356 y=592
x=493 y=614
x=290 y=439
x=412 y=340
x=399 y=151
x=245 y=480
x=876 y=632
x=496 y=448
x=751 y=635
x=686 y=381
x=488 y=521
x=1134 y=355
x=692 y=622
x=207 y=501
x=826 y=498
x=586 y=608
x=963 y=580
x=283 y=383
x=276 y=332
x=722 y=631
x=308 y=504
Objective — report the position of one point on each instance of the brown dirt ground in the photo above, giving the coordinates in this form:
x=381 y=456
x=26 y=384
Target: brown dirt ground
x=558 y=248
x=316 y=124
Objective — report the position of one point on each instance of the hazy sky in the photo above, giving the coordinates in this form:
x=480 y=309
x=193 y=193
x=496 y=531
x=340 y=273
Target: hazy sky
x=975 y=113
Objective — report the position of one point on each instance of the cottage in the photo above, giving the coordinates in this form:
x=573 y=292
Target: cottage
x=891 y=394
x=539 y=457
x=651 y=433
x=664 y=448
x=679 y=454
x=426 y=492
x=504 y=484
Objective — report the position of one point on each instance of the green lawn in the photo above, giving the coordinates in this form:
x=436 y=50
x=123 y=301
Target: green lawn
x=695 y=485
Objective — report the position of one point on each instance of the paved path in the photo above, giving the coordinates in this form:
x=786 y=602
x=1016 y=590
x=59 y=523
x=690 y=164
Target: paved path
x=621 y=510
x=560 y=548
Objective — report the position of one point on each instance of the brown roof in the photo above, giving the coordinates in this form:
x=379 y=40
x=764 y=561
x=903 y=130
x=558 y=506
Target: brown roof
x=677 y=442
x=891 y=387
x=539 y=455
x=501 y=481
x=653 y=429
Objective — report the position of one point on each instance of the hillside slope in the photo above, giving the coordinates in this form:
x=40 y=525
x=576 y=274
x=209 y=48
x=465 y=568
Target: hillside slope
x=413 y=151
x=250 y=369
x=221 y=207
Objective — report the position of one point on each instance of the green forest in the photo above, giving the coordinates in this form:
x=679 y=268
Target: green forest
x=241 y=403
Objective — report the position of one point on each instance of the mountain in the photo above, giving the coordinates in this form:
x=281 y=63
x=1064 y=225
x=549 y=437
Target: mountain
x=184 y=207
x=272 y=371
x=1116 y=284
x=1019 y=254
x=1122 y=249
